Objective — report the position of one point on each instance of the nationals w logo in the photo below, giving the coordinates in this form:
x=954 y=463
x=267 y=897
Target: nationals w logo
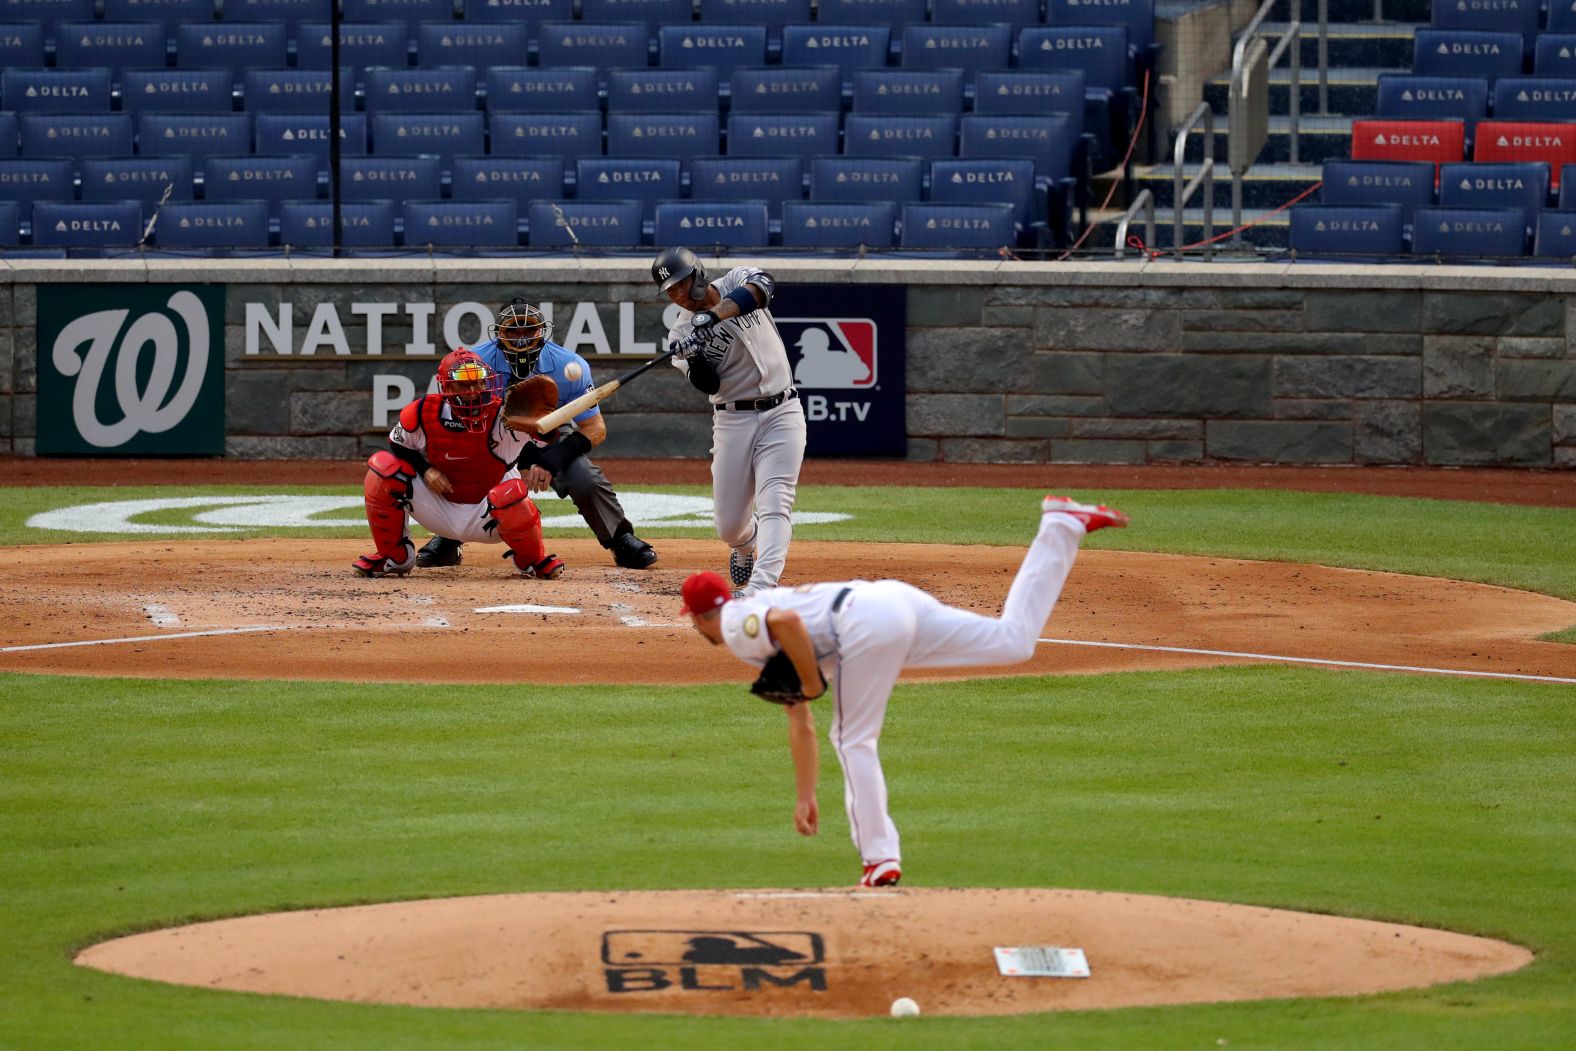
x=141 y=373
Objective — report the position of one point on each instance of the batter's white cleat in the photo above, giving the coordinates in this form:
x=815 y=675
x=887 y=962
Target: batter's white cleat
x=1093 y=516
x=881 y=874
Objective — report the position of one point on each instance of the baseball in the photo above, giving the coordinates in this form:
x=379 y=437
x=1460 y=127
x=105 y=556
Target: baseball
x=903 y=1007
x=572 y=371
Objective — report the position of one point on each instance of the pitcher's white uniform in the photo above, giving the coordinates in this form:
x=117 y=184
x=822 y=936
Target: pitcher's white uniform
x=866 y=632
x=758 y=431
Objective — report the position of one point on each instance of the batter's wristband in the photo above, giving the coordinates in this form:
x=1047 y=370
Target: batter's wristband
x=744 y=299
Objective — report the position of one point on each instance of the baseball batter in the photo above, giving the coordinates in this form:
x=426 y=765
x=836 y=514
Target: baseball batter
x=522 y=347
x=863 y=634
x=451 y=463
x=734 y=353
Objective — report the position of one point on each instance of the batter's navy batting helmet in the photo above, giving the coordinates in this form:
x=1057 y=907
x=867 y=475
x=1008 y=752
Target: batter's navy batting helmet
x=674 y=265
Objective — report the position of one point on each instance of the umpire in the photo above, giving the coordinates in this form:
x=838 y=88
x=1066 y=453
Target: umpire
x=521 y=348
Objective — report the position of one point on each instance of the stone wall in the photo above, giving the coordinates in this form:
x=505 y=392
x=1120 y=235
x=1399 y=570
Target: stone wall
x=1007 y=362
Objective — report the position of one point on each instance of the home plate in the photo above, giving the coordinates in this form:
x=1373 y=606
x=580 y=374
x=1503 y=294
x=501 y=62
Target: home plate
x=526 y=609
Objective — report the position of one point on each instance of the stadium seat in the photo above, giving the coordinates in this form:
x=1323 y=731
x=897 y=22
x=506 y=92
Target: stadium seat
x=604 y=45
x=50 y=13
x=1556 y=236
x=396 y=179
x=1348 y=231
x=10 y=135
x=600 y=224
x=565 y=89
x=168 y=13
x=55 y=91
x=991 y=181
x=210 y=224
x=1099 y=51
x=770 y=179
x=661 y=134
x=772 y=14
x=1511 y=140
x=236 y=46
x=720 y=47
x=193 y=134
x=461 y=224
x=1030 y=94
x=1438 y=141
x=1554 y=55
x=175 y=91
x=862 y=179
x=112 y=45
x=446 y=134
x=1535 y=98
x=271 y=180
x=927 y=137
x=870 y=12
x=564 y=135
x=480 y=44
x=786 y=89
x=848 y=47
x=781 y=134
x=650 y=13
x=1014 y=13
x=518 y=179
x=310 y=224
x=362 y=45
x=839 y=224
x=974 y=48
x=1137 y=17
x=293 y=13
x=1524 y=186
x=529 y=13
x=1566 y=179
x=44 y=179
x=102 y=224
x=908 y=92
x=410 y=12
x=292 y=91
x=644 y=179
x=713 y=224
x=1516 y=16
x=956 y=226
x=75 y=134
x=660 y=90
x=1409 y=184
x=284 y=133
x=1047 y=140
x=440 y=89
x=1495 y=232
x=142 y=179
x=1466 y=53
x=10 y=224
x=1406 y=97
x=1562 y=16
x=21 y=45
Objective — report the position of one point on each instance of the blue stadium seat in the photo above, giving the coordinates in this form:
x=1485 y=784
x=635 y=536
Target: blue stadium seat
x=271 y=180
x=1135 y=16
x=601 y=224
x=973 y=48
x=839 y=224
x=564 y=89
x=27 y=181
x=361 y=45
x=100 y=224
x=293 y=91
x=644 y=179
x=175 y=91
x=1469 y=232
x=1556 y=236
x=307 y=133
x=56 y=90
x=1554 y=55
x=21 y=45
x=786 y=89
x=1515 y=16
x=10 y=134
x=518 y=179
x=208 y=224
x=1521 y=185
x=1535 y=98
x=957 y=226
x=1030 y=94
x=446 y=134
x=723 y=48
x=660 y=90
x=723 y=224
x=605 y=45
x=1562 y=16
x=770 y=179
x=75 y=134
x=1407 y=97
x=293 y=13
x=461 y=224
x=1099 y=51
x=137 y=178
x=112 y=45
x=1015 y=13
x=991 y=180
x=10 y=224
x=927 y=137
x=194 y=134
x=773 y=14
x=1568 y=187
x=236 y=46
x=870 y=12
x=441 y=89
x=310 y=224
x=1409 y=184
x=396 y=179
x=528 y=14
x=908 y=92
x=410 y=12
x=661 y=134
x=168 y=13
x=1348 y=231
x=650 y=13
x=781 y=134
x=848 y=47
x=479 y=44
x=861 y=179
x=1466 y=53
x=1047 y=140
x=564 y=135
x=49 y=13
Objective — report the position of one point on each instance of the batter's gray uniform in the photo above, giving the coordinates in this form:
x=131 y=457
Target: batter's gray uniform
x=757 y=431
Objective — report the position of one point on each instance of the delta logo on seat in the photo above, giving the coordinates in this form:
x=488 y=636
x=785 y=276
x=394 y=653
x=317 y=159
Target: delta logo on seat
x=1433 y=95
x=1467 y=47
x=710 y=222
x=1471 y=226
x=1351 y=226
x=1535 y=141
x=1396 y=138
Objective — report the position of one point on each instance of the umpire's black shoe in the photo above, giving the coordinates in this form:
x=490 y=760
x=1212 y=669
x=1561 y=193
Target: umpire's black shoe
x=631 y=552
x=439 y=551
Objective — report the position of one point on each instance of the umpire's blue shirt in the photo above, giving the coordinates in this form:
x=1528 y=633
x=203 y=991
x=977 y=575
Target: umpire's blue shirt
x=552 y=363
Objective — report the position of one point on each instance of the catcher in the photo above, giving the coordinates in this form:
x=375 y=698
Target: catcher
x=521 y=348
x=867 y=632
x=451 y=463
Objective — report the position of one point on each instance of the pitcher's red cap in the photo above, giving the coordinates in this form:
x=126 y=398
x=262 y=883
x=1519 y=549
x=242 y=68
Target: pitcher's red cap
x=704 y=592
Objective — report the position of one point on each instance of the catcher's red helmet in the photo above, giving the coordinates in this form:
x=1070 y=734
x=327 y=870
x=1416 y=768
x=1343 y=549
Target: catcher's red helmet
x=469 y=386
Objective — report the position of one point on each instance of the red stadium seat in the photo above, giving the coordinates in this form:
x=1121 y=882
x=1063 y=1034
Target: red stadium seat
x=1517 y=140
x=1440 y=141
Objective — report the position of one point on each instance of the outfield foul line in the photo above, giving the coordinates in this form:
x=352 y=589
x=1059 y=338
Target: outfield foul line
x=146 y=638
x=1311 y=660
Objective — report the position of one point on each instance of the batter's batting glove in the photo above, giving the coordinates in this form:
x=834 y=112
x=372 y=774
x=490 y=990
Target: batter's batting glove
x=702 y=320
x=685 y=348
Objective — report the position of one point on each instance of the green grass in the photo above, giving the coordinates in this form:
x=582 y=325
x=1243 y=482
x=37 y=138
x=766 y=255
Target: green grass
x=128 y=804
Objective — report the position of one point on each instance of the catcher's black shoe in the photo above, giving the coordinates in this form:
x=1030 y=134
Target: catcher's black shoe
x=631 y=552
x=439 y=551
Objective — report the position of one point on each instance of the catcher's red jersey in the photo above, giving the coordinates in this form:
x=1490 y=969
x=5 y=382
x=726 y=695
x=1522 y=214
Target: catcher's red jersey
x=473 y=460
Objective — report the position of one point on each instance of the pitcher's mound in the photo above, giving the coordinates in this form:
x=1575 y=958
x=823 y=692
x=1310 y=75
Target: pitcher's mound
x=834 y=954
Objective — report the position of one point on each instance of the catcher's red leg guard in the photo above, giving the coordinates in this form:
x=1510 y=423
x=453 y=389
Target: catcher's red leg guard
x=387 y=492
x=519 y=524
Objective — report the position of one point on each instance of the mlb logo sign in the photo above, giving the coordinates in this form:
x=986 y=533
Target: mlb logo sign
x=832 y=353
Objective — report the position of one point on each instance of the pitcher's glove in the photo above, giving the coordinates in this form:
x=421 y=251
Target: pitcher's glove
x=528 y=401
x=779 y=682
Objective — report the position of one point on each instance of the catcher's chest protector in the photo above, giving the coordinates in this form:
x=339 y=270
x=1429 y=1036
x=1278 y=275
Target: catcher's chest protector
x=467 y=457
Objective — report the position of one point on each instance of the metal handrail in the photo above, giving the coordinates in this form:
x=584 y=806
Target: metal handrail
x=1244 y=57
x=1146 y=201
x=1205 y=177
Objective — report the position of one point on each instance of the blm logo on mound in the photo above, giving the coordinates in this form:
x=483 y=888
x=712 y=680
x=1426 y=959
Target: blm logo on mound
x=713 y=961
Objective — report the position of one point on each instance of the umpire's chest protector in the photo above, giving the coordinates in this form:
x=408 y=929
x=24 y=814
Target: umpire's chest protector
x=469 y=458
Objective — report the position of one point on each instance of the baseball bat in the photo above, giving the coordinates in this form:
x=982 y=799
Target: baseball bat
x=596 y=395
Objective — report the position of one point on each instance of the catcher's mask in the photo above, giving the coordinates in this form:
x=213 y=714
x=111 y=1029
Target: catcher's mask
x=469 y=386
x=674 y=265
x=522 y=330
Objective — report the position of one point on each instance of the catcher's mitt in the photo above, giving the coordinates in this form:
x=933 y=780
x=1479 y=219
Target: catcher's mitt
x=527 y=401
x=778 y=681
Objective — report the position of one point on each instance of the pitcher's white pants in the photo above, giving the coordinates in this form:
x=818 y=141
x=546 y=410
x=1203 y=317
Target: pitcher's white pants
x=887 y=625
x=755 y=461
